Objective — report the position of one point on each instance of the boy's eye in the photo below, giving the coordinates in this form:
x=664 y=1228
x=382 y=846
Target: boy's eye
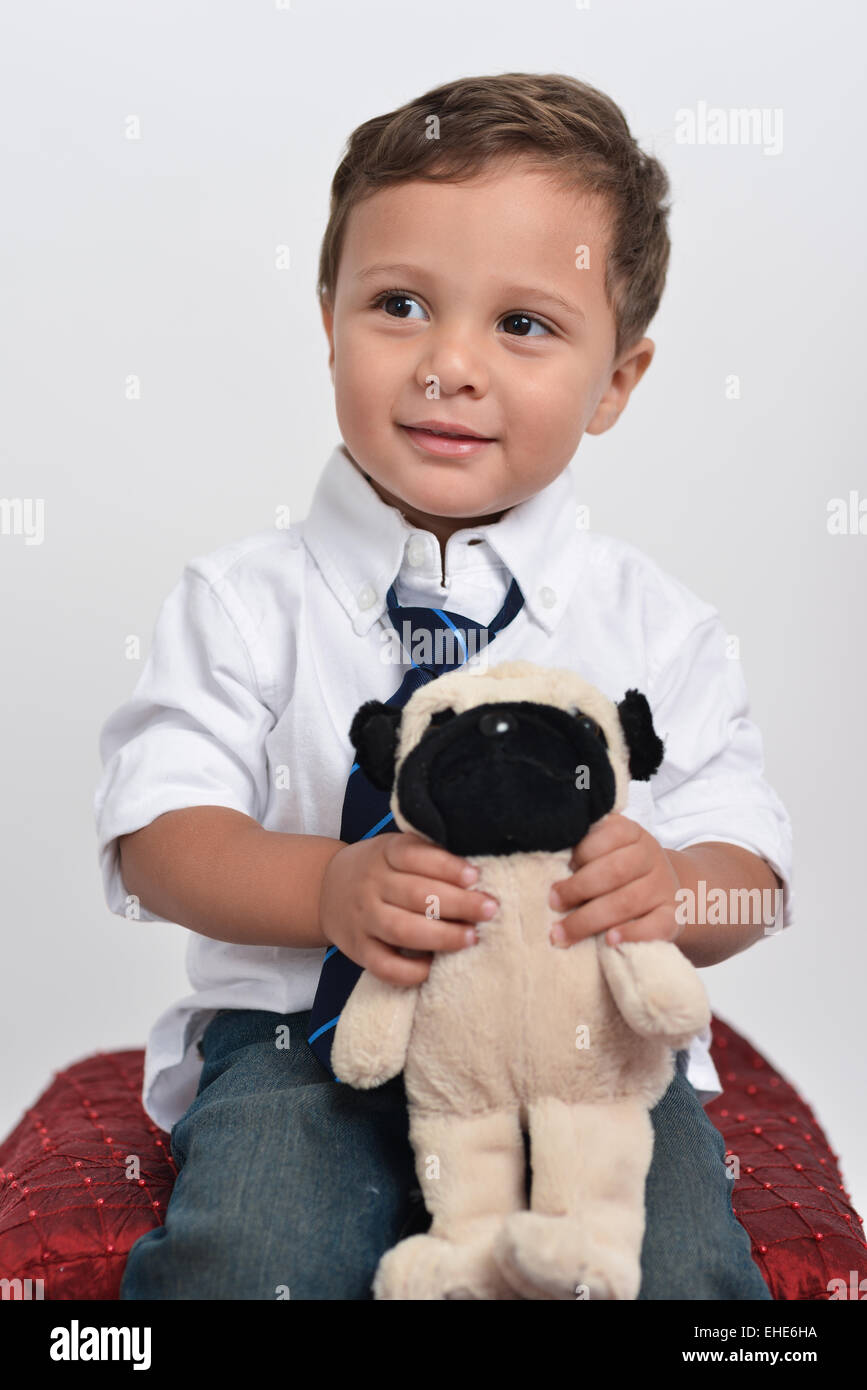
x=399 y=305
x=390 y=297
x=523 y=321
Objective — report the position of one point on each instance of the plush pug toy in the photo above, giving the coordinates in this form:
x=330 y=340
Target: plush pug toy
x=509 y=767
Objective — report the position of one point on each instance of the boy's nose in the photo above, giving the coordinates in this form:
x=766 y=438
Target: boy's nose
x=456 y=360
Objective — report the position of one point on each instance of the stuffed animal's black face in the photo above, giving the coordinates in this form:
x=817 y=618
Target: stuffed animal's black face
x=503 y=777
x=507 y=777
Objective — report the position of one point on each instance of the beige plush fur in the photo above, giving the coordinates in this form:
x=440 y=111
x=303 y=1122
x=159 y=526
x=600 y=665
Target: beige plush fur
x=573 y=1045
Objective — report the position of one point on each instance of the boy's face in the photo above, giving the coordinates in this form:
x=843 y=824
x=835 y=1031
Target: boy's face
x=493 y=329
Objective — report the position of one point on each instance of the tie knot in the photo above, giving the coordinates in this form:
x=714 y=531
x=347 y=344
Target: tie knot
x=436 y=639
x=439 y=640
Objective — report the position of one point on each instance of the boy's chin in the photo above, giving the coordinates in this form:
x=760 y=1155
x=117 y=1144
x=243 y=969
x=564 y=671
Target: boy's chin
x=444 y=506
x=440 y=500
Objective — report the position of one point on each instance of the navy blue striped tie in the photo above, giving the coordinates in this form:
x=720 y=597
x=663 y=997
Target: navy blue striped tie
x=444 y=638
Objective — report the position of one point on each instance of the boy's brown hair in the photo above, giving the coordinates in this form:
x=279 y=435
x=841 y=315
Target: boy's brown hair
x=556 y=121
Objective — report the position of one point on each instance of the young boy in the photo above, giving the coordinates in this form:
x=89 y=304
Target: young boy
x=495 y=251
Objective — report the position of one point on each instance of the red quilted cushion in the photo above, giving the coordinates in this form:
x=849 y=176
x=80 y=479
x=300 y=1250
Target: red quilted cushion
x=790 y=1194
x=69 y=1213
x=73 y=1201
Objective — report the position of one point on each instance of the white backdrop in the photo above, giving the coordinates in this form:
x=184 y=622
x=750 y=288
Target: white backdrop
x=157 y=257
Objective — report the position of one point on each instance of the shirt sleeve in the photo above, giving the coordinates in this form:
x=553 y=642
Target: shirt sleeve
x=711 y=784
x=192 y=733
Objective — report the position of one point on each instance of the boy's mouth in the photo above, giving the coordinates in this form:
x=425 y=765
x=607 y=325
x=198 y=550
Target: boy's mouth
x=446 y=439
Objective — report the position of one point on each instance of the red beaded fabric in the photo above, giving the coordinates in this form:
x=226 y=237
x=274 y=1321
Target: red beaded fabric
x=82 y=1176
x=789 y=1194
x=86 y=1172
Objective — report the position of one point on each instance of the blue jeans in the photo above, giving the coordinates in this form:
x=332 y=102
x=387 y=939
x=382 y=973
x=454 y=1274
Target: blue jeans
x=294 y=1185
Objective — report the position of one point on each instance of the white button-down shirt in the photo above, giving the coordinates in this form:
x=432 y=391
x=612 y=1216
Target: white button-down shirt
x=266 y=647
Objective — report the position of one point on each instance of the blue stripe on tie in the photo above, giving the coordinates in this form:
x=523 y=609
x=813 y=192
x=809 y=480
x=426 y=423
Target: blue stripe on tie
x=447 y=620
x=329 y=952
x=378 y=826
x=323 y=1029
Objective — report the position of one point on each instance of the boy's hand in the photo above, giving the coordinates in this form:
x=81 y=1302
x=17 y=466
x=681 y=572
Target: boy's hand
x=624 y=884
x=376 y=895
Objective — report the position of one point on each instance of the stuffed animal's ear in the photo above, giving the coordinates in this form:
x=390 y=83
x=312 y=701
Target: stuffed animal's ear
x=373 y=734
x=645 y=746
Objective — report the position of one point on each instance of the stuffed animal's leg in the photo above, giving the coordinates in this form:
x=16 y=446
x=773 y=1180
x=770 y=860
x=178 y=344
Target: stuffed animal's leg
x=583 y=1234
x=471 y=1170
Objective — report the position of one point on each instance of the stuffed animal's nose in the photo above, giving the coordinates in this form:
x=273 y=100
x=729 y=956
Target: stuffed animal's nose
x=497 y=724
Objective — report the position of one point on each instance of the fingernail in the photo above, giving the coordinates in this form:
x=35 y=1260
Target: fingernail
x=469 y=874
x=489 y=907
x=471 y=937
x=613 y=937
x=554 y=899
x=558 y=935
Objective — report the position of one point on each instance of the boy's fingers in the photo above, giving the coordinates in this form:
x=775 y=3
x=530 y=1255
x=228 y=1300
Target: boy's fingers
x=658 y=925
x=598 y=877
x=606 y=835
x=438 y=901
x=410 y=854
x=387 y=964
x=407 y=930
x=612 y=910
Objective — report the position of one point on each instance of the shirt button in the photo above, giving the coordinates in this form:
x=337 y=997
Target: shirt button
x=366 y=596
x=548 y=597
x=416 y=551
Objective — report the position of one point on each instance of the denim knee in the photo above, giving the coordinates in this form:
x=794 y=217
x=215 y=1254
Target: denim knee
x=291 y=1185
x=694 y=1245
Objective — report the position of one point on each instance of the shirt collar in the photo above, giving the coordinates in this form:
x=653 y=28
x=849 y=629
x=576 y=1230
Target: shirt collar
x=360 y=543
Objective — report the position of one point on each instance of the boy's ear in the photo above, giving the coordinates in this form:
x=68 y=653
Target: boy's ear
x=625 y=376
x=646 y=748
x=373 y=734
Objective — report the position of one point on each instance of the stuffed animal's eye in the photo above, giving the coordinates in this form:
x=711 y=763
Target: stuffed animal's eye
x=442 y=716
x=590 y=725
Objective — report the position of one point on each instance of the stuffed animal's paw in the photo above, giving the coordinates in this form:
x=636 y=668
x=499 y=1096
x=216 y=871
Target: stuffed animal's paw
x=359 y=1070
x=361 y=1058
x=657 y=990
x=428 y=1267
x=554 y=1257
x=679 y=1000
